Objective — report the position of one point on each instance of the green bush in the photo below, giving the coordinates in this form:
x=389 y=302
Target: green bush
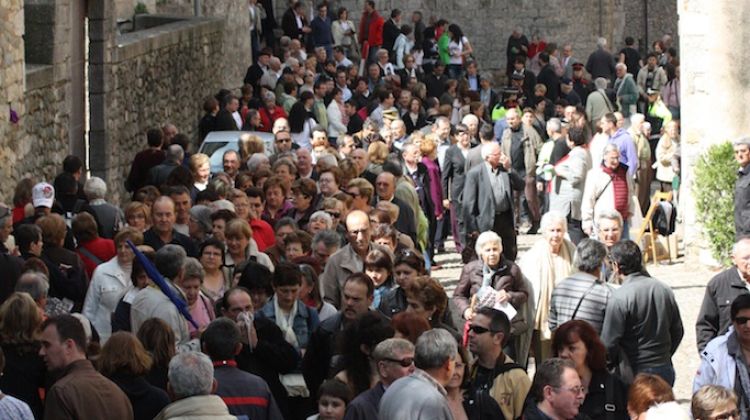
x=141 y=9
x=715 y=174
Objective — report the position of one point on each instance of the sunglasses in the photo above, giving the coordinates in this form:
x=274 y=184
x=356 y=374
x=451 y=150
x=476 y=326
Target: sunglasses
x=334 y=214
x=476 y=329
x=406 y=362
x=741 y=320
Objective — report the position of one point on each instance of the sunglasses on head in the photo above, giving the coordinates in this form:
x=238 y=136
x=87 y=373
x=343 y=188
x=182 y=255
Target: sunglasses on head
x=406 y=362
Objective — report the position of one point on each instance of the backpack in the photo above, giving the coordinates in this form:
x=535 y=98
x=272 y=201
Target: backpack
x=665 y=217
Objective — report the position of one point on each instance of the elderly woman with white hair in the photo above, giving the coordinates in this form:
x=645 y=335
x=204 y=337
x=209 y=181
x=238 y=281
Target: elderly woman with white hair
x=109 y=218
x=319 y=221
x=492 y=280
x=547 y=262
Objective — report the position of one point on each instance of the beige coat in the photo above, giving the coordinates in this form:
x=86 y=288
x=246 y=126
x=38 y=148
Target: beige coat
x=665 y=150
x=532 y=145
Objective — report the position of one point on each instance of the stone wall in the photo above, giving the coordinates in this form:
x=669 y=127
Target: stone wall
x=37 y=144
x=488 y=23
x=158 y=75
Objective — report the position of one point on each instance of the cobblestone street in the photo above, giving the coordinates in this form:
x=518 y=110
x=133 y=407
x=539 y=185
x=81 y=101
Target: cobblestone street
x=687 y=281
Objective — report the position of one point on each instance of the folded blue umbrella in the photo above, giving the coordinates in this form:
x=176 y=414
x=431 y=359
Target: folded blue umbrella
x=157 y=278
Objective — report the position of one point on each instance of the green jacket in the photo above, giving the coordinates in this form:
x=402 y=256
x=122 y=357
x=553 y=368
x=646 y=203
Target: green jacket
x=626 y=91
x=443 y=52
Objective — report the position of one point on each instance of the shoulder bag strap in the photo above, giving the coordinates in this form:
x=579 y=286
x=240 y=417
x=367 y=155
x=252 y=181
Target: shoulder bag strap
x=609 y=398
x=88 y=254
x=603 y=189
x=580 y=301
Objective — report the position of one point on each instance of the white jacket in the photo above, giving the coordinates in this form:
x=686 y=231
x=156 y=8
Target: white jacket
x=108 y=283
x=717 y=365
x=336 y=127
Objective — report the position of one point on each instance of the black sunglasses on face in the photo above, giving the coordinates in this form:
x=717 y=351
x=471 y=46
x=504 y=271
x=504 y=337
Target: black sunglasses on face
x=476 y=329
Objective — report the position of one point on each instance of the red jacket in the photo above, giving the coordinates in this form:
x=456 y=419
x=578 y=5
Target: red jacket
x=267 y=118
x=374 y=32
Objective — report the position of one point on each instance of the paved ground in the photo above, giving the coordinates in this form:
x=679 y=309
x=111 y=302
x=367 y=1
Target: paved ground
x=687 y=281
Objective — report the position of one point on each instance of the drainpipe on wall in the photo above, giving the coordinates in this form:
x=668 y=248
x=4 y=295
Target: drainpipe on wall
x=197 y=8
x=645 y=25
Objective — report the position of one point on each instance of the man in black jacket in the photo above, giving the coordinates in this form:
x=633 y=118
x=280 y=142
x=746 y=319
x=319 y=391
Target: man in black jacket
x=742 y=188
x=264 y=351
x=391 y=31
x=714 y=318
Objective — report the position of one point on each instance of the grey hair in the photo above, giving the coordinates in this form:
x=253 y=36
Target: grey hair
x=328 y=160
x=322 y=215
x=550 y=373
x=469 y=117
x=601 y=83
x=741 y=242
x=169 y=260
x=434 y=348
x=442 y=120
x=554 y=125
x=590 y=254
x=487 y=149
x=485 y=238
x=742 y=141
x=609 y=215
x=637 y=118
x=269 y=96
x=255 y=160
x=391 y=347
x=328 y=237
x=551 y=218
x=610 y=147
x=95 y=188
x=193 y=269
x=622 y=66
x=601 y=42
x=34 y=283
x=190 y=374
x=175 y=153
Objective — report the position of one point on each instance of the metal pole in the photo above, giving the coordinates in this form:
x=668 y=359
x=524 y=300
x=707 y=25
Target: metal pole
x=197 y=8
x=645 y=24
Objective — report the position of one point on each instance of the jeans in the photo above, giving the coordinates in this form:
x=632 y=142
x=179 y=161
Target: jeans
x=666 y=372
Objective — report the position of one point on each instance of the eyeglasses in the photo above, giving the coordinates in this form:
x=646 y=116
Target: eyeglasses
x=741 y=320
x=577 y=390
x=734 y=415
x=405 y=362
x=334 y=214
x=479 y=330
x=283 y=140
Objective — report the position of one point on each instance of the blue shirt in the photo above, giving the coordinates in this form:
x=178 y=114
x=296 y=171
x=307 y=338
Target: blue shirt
x=321 y=32
x=628 y=153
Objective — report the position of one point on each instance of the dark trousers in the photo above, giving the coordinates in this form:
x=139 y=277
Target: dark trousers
x=457 y=225
x=575 y=230
x=505 y=228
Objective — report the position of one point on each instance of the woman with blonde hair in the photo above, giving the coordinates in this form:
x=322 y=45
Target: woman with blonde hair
x=138 y=216
x=125 y=362
x=200 y=167
x=25 y=372
x=378 y=153
x=714 y=402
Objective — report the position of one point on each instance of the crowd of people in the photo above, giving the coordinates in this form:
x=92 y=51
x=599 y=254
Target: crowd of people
x=295 y=283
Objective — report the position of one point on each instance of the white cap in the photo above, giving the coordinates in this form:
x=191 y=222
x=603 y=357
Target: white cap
x=43 y=195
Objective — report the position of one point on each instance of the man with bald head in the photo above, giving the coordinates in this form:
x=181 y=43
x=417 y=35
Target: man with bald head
x=488 y=198
x=349 y=259
x=714 y=318
x=385 y=189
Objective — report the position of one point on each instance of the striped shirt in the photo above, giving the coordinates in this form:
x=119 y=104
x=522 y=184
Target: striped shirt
x=586 y=289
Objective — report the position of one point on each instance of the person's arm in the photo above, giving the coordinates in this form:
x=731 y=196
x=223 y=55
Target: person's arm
x=676 y=330
x=447 y=175
x=462 y=292
x=588 y=203
x=329 y=285
x=93 y=298
x=707 y=324
x=56 y=407
x=471 y=195
x=632 y=155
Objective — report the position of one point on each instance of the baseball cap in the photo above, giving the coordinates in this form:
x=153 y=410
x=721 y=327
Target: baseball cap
x=43 y=195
